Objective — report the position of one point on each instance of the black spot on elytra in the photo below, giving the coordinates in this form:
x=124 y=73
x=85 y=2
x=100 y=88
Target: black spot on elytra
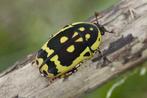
x=87 y=54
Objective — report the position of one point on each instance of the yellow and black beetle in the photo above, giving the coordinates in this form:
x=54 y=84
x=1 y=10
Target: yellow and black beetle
x=67 y=48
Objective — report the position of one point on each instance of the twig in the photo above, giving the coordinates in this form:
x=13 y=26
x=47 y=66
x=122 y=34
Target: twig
x=127 y=48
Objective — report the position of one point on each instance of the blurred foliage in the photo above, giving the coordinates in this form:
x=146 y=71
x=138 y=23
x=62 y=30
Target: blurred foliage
x=133 y=85
x=26 y=24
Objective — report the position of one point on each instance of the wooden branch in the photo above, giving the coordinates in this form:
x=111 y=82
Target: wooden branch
x=126 y=48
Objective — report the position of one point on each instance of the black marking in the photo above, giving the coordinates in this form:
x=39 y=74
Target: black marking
x=55 y=44
x=42 y=54
x=51 y=67
x=87 y=54
x=93 y=34
x=65 y=57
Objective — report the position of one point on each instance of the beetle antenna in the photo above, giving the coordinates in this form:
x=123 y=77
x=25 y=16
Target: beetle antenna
x=101 y=27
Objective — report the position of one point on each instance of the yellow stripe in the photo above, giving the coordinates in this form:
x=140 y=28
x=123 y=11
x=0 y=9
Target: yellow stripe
x=64 y=69
x=79 y=39
x=47 y=49
x=97 y=42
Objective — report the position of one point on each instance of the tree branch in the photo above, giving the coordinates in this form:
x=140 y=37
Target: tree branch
x=126 y=48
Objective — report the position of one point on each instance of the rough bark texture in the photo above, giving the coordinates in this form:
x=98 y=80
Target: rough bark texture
x=126 y=48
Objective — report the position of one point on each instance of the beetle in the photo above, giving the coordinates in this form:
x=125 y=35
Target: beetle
x=63 y=52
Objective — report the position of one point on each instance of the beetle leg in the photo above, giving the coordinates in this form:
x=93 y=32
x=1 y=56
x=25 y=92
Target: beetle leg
x=103 y=30
x=101 y=27
x=104 y=57
x=52 y=80
x=66 y=75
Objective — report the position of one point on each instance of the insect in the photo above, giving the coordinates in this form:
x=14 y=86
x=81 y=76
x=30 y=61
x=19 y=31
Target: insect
x=62 y=53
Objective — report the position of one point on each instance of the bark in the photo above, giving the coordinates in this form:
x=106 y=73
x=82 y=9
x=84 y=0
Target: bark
x=126 y=49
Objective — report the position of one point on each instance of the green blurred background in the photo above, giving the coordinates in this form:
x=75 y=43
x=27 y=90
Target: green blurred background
x=26 y=24
x=132 y=84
